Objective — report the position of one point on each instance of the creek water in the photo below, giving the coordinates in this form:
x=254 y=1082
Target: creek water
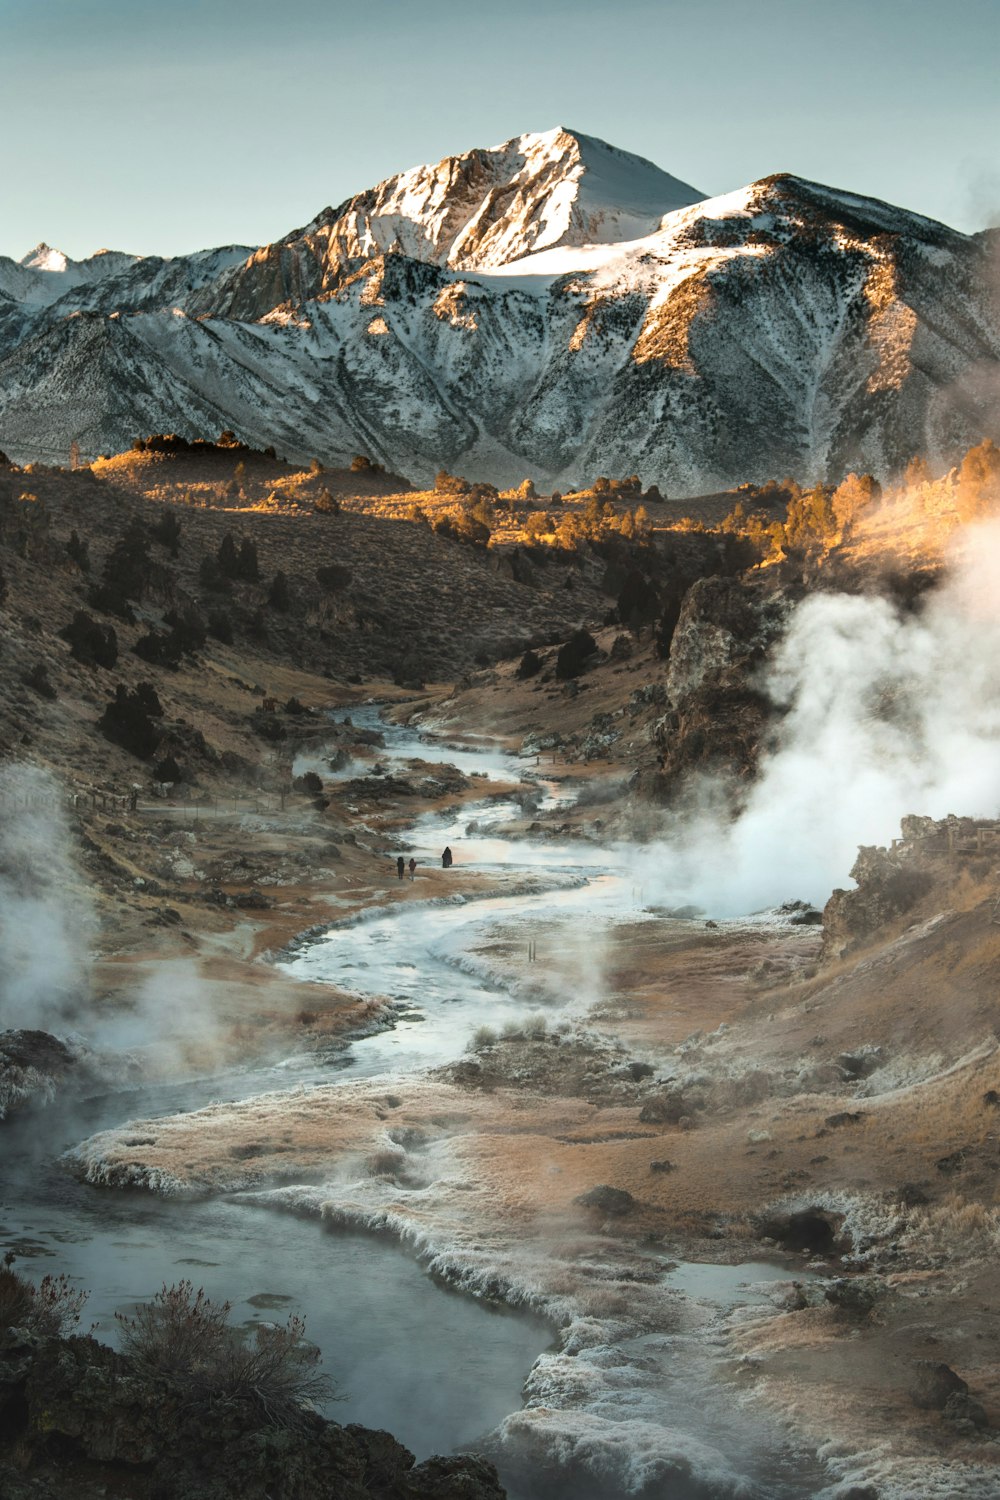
x=437 y=1369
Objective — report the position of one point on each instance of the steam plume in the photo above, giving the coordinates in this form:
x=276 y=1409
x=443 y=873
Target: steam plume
x=46 y=922
x=884 y=714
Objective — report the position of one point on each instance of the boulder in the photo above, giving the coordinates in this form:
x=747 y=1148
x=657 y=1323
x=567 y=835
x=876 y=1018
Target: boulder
x=855 y=1297
x=933 y=1383
x=668 y=1107
x=608 y=1200
x=967 y=1414
x=574 y=654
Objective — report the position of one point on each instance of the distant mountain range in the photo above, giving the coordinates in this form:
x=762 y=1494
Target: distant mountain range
x=551 y=307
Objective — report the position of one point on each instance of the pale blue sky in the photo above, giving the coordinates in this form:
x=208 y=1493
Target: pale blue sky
x=164 y=127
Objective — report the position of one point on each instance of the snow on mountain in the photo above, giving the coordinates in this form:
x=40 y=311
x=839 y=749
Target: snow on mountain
x=481 y=209
x=551 y=307
x=44 y=258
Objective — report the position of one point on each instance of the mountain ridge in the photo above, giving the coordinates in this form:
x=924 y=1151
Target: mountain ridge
x=551 y=306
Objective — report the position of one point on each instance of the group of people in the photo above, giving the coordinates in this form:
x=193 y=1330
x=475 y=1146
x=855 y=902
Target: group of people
x=447 y=860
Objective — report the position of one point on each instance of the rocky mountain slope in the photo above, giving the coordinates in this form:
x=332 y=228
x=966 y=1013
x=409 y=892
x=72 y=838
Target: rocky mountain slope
x=551 y=307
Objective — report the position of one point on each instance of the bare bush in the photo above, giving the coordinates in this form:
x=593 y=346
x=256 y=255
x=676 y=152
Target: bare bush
x=185 y=1338
x=48 y=1310
x=385 y=1163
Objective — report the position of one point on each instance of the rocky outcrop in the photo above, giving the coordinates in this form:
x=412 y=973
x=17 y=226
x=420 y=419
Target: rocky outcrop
x=77 y=1418
x=716 y=717
x=32 y=1066
x=888 y=884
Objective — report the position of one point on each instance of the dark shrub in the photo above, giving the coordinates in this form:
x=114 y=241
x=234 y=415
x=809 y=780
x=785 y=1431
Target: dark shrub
x=79 y=552
x=89 y=643
x=238 y=562
x=269 y=727
x=530 y=665
x=279 y=595
x=166 y=648
x=183 y=1340
x=326 y=504
x=220 y=626
x=638 y=601
x=309 y=783
x=125 y=576
x=159 y=649
x=129 y=718
x=210 y=577
x=248 y=568
x=38 y=680
x=574 y=655
x=167 y=531
x=333 y=577
x=50 y=1310
x=227 y=558
x=188 y=629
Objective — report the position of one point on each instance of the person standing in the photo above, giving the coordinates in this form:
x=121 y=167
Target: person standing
x=446 y=859
x=400 y=866
x=413 y=867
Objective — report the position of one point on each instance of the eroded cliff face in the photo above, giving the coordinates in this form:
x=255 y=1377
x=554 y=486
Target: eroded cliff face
x=718 y=713
x=891 y=882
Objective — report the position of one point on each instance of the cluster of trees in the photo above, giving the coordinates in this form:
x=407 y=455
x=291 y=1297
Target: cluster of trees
x=781 y=517
x=596 y=523
x=977 y=486
x=172 y=442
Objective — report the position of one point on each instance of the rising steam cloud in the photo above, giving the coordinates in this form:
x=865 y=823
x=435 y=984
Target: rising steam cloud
x=46 y=922
x=885 y=714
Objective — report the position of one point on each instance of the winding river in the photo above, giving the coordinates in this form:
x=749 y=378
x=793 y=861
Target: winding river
x=435 y=1392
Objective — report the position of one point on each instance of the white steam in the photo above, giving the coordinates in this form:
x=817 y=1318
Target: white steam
x=885 y=714
x=46 y=922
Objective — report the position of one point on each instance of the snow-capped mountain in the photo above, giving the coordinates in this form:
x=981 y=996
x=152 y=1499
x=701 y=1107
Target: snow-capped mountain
x=551 y=307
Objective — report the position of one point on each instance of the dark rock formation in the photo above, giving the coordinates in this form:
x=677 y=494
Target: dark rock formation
x=933 y=1383
x=77 y=1418
x=966 y=1413
x=816 y=1229
x=666 y=1108
x=855 y=1297
x=574 y=654
x=888 y=883
x=716 y=717
x=608 y=1200
x=32 y=1065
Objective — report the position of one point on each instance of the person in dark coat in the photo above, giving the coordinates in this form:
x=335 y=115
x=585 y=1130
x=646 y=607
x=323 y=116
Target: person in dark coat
x=400 y=866
x=446 y=859
x=413 y=867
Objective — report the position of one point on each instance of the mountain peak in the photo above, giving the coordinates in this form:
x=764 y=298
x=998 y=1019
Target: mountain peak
x=490 y=206
x=44 y=258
